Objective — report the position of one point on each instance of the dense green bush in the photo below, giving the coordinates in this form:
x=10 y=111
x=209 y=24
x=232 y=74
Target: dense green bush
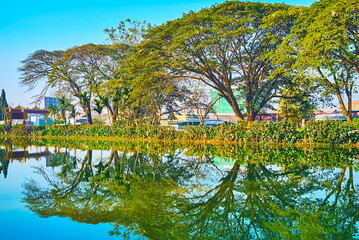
x=330 y=132
x=20 y=130
x=235 y=132
x=273 y=132
x=197 y=133
x=355 y=123
x=5 y=129
x=280 y=132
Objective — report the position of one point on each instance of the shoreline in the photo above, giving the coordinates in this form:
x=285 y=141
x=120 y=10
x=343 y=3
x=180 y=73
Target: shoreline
x=81 y=139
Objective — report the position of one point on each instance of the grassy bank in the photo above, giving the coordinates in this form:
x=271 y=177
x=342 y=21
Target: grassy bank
x=326 y=132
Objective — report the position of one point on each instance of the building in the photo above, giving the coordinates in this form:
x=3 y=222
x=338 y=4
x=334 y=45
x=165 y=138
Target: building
x=330 y=117
x=40 y=121
x=51 y=101
x=224 y=111
x=222 y=106
x=181 y=120
x=326 y=111
x=355 y=107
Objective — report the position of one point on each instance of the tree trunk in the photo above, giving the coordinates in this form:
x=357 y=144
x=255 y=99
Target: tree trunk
x=88 y=114
x=108 y=117
x=251 y=116
x=231 y=99
x=114 y=118
x=346 y=113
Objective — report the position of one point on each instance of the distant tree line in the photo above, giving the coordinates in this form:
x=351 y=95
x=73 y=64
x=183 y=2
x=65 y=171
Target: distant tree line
x=255 y=55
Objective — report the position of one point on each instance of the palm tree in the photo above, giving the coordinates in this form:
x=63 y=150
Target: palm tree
x=98 y=107
x=85 y=104
x=73 y=113
x=64 y=106
x=106 y=103
x=53 y=111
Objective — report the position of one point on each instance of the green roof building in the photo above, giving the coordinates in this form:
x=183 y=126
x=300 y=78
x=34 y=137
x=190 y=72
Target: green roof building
x=222 y=106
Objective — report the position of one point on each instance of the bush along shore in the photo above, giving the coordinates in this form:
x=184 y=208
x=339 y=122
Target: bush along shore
x=278 y=132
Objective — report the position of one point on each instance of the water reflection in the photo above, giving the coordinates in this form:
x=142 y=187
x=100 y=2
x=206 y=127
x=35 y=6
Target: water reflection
x=8 y=154
x=267 y=193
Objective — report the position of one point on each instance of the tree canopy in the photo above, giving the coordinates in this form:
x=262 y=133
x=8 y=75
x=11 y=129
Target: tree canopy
x=251 y=53
x=325 y=39
x=76 y=72
x=228 y=47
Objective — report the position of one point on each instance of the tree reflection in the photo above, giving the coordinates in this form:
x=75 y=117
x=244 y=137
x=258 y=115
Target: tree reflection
x=332 y=217
x=242 y=202
x=172 y=196
x=4 y=164
x=126 y=190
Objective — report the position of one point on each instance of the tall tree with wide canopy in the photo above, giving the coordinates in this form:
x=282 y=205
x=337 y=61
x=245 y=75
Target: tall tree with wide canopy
x=228 y=47
x=326 y=38
x=77 y=71
x=142 y=87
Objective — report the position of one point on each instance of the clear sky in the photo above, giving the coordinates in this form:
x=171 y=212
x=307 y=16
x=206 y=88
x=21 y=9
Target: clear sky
x=27 y=26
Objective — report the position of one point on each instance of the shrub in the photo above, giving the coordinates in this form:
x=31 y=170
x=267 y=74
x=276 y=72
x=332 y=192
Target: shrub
x=355 y=123
x=330 y=132
x=20 y=130
x=5 y=129
x=235 y=132
x=197 y=132
x=273 y=132
x=281 y=132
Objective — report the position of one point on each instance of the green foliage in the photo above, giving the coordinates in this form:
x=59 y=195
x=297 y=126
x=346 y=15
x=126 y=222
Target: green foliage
x=355 y=122
x=330 y=132
x=3 y=104
x=278 y=132
x=217 y=43
x=5 y=129
x=198 y=133
x=58 y=122
x=20 y=130
x=296 y=104
x=324 y=42
x=98 y=121
x=77 y=71
x=273 y=132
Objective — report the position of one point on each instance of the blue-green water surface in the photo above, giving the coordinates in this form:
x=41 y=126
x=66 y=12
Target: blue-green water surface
x=152 y=191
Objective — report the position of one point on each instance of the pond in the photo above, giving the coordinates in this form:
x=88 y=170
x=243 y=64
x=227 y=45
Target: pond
x=63 y=190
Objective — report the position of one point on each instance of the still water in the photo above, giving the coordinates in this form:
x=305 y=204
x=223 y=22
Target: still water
x=156 y=191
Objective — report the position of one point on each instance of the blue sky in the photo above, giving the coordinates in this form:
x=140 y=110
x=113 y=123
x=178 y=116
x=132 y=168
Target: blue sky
x=27 y=26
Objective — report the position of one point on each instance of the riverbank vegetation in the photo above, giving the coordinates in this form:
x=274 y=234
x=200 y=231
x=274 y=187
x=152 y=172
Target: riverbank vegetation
x=265 y=132
x=253 y=55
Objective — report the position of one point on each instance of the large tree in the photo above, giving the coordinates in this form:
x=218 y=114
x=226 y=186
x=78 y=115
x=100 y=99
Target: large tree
x=141 y=87
x=228 y=47
x=76 y=72
x=327 y=45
